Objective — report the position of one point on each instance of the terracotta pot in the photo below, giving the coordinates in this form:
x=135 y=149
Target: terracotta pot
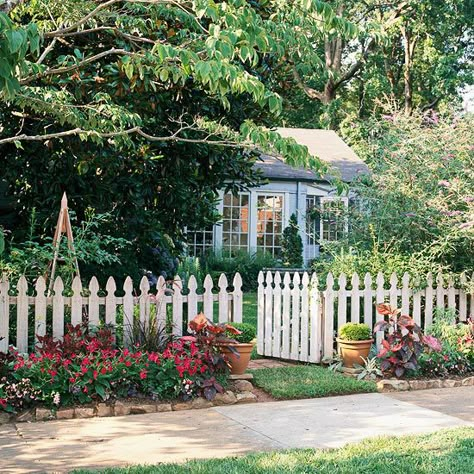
x=238 y=363
x=353 y=351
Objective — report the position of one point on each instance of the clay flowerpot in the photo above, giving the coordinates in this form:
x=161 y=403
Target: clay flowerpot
x=239 y=362
x=353 y=351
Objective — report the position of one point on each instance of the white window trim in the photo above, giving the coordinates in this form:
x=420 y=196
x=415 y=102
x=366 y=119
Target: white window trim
x=325 y=199
x=285 y=212
x=219 y=238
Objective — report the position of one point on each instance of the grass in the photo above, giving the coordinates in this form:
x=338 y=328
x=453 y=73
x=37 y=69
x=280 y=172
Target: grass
x=304 y=381
x=443 y=452
x=250 y=309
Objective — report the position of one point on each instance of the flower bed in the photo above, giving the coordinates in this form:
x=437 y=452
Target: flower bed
x=85 y=368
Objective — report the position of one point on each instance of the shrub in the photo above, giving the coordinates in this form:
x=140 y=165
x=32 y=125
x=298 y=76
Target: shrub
x=248 y=265
x=403 y=343
x=292 y=244
x=355 y=332
x=247 y=332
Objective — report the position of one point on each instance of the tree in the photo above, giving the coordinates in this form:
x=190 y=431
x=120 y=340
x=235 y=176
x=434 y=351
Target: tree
x=292 y=244
x=134 y=108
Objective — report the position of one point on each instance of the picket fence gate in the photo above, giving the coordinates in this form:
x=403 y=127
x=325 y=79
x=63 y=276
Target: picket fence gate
x=297 y=320
x=86 y=303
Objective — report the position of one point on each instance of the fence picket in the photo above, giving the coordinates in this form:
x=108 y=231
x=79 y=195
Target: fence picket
x=429 y=300
x=76 y=302
x=160 y=306
x=368 y=306
x=58 y=308
x=406 y=293
x=342 y=301
x=144 y=304
x=223 y=299
x=208 y=303
x=268 y=314
x=260 y=313
x=277 y=316
x=328 y=342
x=462 y=299
x=128 y=310
x=393 y=292
x=295 y=317
x=40 y=308
x=193 y=297
x=94 y=302
x=178 y=306
x=440 y=291
x=304 y=317
x=451 y=293
x=110 y=301
x=417 y=302
x=22 y=315
x=4 y=315
x=355 y=298
x=379 y=298
x=286 y=295
x=315 y=321
x=237 y=299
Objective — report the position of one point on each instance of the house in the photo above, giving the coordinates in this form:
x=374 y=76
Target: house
x=254 y=220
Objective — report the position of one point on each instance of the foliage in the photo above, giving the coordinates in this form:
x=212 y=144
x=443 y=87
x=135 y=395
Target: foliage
x=355 y=332
x=403 y=342
x=438 y=453
x=247 y=332
x=94 y=250
x=85 y=367
x=307 y=382
x=247 y=264
x=136 y=109
x=448 y=361
x=405 y=217
x=292 y=244
x=370 y=370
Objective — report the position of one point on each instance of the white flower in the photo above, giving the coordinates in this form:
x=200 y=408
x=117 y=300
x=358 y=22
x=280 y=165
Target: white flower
x=56 y=398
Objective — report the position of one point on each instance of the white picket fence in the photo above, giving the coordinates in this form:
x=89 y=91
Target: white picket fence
x=169 y=300
x=298 y=320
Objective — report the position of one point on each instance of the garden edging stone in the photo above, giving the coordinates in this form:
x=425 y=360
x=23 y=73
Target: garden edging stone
x=396 y=385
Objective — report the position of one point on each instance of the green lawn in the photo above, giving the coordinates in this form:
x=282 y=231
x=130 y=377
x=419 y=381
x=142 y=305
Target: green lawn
x=250 y=309
x=307 y=381
x=444 y=452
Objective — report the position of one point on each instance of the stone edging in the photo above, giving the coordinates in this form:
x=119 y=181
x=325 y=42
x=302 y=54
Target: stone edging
x=241 y=394
x=396 y=385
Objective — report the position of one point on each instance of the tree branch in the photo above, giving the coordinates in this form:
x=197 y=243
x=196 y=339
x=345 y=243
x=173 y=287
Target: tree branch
x=62 y=70
x=131 y=131
x=309 y=91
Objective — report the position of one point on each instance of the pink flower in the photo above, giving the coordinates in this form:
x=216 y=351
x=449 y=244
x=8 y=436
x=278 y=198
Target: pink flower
x=444 y=183
x=143 y=374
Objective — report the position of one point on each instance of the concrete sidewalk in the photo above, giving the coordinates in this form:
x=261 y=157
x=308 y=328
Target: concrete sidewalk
x=59 y=446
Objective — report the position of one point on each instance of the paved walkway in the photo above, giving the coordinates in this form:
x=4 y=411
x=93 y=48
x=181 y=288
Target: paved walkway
x=58 y=446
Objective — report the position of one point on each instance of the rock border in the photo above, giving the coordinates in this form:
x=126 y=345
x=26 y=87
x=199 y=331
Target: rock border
x=396 y=385
x=241 y=393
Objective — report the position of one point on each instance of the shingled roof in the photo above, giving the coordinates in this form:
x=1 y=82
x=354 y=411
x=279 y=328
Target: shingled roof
x=326 y=145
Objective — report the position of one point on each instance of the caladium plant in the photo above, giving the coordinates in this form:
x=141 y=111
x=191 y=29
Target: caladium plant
x=403 y=343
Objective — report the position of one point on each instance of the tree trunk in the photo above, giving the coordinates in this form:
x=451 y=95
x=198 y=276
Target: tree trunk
x=408 y=45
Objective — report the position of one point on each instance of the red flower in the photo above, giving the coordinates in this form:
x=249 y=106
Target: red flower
x=3 y=402
x=103 y=370
x=72 y=379
x=85 y=390
x=95 y=374
x=143 y=374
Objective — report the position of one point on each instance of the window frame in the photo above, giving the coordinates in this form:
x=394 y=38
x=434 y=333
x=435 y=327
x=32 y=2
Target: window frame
x=231 y=248
x=283 y=209
x=323 y=201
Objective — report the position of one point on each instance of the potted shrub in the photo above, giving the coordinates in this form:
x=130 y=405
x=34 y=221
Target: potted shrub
x=354 y=343
x=238 y=353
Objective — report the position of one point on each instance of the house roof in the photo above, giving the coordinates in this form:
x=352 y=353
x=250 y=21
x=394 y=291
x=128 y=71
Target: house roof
x=326 y=145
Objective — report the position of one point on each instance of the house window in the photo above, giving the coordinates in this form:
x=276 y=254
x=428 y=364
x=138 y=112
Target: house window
x=269 y=223
x=200 y=241
x=235 y=222
x=313 y=209
x=333 y=224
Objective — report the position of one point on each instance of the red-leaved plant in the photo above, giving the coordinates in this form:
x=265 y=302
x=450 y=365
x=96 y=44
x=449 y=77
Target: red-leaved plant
x=403 y=343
